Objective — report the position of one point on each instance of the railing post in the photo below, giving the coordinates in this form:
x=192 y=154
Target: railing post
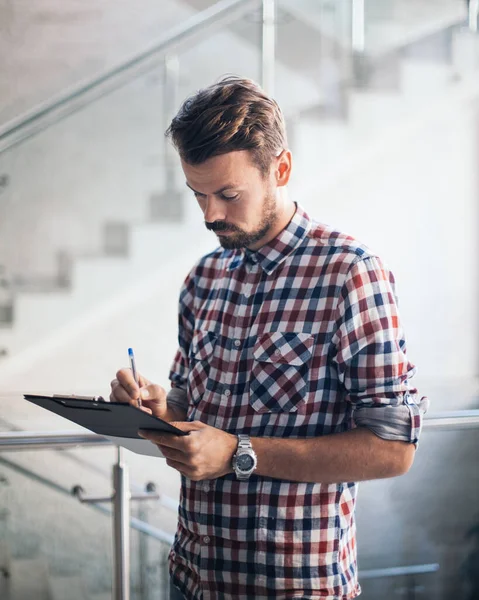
x=121 y=528
x=168 y=205
x=473 y=13
x=171 y=85
x=358 y=24
x=360 y=67
x=268 y=43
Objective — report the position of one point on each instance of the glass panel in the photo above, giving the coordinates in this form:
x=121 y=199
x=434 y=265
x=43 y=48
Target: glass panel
x=239 y=55
x=427 y=517
x=314 y=56
x=77 y=225
x=51 y=534
x=149 y=560
x=96 y=167
x=396 y=23
x=52 y=49
x=66 y=544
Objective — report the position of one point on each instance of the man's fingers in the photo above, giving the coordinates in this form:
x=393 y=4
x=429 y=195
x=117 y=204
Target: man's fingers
x=127 y=381
x=119 y=394
x=172 y=454
x=169 y=440
x=154 y=393
x=183 y=469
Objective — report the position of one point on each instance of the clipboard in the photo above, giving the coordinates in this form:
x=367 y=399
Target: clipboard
x=114 y=420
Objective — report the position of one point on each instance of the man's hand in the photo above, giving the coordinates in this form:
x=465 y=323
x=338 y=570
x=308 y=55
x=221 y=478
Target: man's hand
x=205 y=453
x=153 y=396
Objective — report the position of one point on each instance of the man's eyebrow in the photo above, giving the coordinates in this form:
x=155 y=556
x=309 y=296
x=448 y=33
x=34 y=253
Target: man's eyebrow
x=220 y=191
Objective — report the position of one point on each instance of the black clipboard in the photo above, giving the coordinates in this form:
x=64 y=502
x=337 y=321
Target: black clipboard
x=114 y=420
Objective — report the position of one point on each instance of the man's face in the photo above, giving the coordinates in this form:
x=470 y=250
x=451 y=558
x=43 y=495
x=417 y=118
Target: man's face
x=237 y=200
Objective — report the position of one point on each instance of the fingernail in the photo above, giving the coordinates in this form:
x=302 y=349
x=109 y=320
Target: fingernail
x=144 y=393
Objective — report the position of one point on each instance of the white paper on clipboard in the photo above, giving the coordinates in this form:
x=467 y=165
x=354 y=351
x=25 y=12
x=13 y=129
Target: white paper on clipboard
x=139 y=446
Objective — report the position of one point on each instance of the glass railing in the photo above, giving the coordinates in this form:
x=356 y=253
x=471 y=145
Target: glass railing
x=103 y=186
x=418 y=534
x=427 y=520
x=95 y=158
x=70 y=544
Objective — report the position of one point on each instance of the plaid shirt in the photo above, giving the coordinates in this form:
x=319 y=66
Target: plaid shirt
x=294 y=341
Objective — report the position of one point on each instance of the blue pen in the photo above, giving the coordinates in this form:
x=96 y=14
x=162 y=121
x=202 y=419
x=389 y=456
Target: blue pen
x=131 y=356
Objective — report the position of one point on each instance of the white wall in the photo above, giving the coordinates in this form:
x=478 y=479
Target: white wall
x=415 y=202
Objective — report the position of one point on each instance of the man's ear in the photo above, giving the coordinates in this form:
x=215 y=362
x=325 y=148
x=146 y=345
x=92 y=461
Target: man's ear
x=283 y=168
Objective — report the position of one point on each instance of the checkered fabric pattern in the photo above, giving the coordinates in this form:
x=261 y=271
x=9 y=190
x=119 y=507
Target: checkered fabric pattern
x=289 y=341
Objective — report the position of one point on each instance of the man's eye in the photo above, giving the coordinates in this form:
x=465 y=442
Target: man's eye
x=234 y=197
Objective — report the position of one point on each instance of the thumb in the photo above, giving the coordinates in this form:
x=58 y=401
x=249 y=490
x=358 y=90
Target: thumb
x=154 y=393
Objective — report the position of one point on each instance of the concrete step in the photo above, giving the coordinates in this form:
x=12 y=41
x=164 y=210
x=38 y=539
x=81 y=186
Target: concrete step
x=465 y=52
x=102 y=596
x=29 y=579
x=101 y=279
x=424 y=79
x=388 y=25
x=371 y=112
x=4 y=588
x=5 y=564
x=320 y=147
x=67 y=588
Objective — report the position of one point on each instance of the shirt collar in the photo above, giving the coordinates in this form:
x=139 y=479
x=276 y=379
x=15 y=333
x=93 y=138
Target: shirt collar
x=272 y=254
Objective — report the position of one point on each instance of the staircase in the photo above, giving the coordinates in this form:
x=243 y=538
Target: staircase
x=323 y=144
x=126 y=270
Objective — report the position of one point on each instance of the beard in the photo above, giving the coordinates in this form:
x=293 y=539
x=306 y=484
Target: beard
x=243 y=239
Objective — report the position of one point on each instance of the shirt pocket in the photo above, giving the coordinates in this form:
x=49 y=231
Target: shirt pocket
x=200 y=356
x=280 y=373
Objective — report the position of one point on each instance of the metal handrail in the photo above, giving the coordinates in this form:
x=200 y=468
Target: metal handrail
x=31 y=440
x=398 y=571
x=121 y=497
x=28 y=440
x=452 y=420
x=73 y=99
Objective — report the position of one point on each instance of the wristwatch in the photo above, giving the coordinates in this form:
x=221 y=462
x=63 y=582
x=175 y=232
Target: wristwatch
x=245 y=459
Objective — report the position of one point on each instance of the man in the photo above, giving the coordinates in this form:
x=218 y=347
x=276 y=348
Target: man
x=291 y=375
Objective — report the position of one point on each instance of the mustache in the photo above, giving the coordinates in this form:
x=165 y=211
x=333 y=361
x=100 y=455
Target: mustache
x=219 y=226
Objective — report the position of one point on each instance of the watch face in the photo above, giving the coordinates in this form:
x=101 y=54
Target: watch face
x=245 y=462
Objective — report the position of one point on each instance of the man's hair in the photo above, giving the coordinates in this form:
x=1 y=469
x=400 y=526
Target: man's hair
x=232 y=114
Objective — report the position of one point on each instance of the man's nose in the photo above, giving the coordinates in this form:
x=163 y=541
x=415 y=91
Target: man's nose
x=213 y=210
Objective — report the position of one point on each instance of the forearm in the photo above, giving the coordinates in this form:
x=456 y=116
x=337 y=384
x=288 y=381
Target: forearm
x=356 y=455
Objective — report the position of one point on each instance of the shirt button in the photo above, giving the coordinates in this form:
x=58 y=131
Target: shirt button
x=237 y=343
x=206 y=539
x=227 y=393
x=277 y=352
x=206 y=487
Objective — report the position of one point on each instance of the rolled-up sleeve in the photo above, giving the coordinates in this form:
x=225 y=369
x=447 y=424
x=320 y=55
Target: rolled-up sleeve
x=369 y=351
